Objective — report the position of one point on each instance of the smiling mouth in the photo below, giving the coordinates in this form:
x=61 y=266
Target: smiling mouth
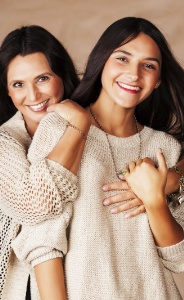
x=39 y=106
x=129 y=87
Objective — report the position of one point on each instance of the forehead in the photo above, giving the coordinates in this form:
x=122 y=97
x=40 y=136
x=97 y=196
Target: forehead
x=30 y=64
x=143 y=45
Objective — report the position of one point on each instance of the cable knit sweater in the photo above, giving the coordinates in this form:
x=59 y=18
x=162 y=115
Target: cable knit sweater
x=30 y=192
x=109 y=257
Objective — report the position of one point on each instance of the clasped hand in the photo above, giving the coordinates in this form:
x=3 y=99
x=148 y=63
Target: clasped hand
x=143 y=184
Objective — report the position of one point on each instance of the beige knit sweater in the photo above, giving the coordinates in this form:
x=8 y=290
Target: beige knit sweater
x=31 y=191
x=109 y=257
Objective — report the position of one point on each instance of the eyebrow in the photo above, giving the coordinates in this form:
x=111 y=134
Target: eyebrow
x=147 y=58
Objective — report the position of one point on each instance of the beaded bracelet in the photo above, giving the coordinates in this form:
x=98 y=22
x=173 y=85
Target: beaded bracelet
x=178 y=197
x=80 y=131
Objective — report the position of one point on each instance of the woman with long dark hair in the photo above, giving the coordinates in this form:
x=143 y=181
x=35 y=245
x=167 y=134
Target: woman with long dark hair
x=35 y=72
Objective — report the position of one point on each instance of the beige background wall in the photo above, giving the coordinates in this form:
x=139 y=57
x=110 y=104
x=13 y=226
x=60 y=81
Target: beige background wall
x=79 y=23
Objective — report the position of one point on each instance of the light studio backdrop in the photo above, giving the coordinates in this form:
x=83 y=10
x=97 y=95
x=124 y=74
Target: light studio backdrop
x=79 y=23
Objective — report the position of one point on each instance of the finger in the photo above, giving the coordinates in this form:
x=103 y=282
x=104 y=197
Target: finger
x=119 y=185
x=149 y=161
x=132 y=204
x=54 y=107
x=119 y=198
x=161 y=161
x=122 y=173
x=139 y=161
x=135 y=212
x=132 y=166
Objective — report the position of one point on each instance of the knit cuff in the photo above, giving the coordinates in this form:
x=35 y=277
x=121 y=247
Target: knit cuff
x=48 y=256
x=171 y=252
x=173 y=257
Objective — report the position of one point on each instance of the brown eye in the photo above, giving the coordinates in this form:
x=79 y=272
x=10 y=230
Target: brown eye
x=43 y=78
x=150 y=66
x=123 y=59
x=17 y=84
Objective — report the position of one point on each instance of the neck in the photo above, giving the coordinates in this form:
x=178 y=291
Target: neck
x=115 y=121
x=31 y=130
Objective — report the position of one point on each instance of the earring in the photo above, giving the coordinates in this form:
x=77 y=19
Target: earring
x=157 y=85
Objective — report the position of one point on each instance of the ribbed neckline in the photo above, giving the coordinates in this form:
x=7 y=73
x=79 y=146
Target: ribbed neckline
x=131 y=141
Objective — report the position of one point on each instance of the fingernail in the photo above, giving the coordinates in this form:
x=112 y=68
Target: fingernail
x=114 y=210
x=105 y=188
x=106 y=202
x=127 y=216
x=121 y=177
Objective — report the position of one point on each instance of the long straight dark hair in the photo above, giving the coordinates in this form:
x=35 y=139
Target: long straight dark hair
x=164 y=108
x=27 y=40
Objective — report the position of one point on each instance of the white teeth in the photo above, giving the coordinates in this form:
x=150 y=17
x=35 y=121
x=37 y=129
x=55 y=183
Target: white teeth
x=129 y=87
x=38 y=106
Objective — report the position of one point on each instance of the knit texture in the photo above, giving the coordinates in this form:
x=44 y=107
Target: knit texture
x=110 y=257
x=32 y=191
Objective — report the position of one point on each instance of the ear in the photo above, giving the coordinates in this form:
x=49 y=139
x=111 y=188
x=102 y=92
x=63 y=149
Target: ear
x=158 y=84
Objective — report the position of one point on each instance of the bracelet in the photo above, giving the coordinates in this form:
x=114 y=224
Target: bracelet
x=178 y=197
x=80 y=131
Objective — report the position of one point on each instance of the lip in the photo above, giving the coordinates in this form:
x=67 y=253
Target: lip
x=40 y=106
x=128 y=87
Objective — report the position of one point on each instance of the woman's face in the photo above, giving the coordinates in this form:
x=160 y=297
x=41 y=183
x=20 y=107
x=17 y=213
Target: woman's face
x=33 y=86
x=132 y=72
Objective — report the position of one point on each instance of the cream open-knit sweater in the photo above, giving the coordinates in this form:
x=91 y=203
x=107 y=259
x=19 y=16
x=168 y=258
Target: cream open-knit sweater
x=109 y=257
x=30 y=192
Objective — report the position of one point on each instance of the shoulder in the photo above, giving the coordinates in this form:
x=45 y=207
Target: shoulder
x=14 y=129
x=154 y=139
x=160 y=137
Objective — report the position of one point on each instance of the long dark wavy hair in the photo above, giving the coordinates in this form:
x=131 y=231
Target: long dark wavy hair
x=164 y=108
x=27 y=40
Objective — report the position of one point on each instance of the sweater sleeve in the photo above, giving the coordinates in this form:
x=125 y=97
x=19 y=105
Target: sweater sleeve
x=173 y=256
x=34 y=188
x=44 y=241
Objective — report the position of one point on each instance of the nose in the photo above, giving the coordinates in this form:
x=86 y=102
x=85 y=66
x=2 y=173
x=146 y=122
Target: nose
x=132 y=74
x=131 y=77
x=32 y=93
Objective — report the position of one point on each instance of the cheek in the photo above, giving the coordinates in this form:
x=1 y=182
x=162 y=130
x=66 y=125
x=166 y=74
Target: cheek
x=16 y=97
x=151 y=81
x=57 y=90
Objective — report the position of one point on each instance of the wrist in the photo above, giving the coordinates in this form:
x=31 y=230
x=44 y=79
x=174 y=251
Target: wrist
x=81 y=122
x=158 y=203
x=177 y=197
x=82 y=133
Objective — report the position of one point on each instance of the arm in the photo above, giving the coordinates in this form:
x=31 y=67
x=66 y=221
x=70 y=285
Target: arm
x=43 y=253
x=131 y=200
x=50 y=280
x=148 y=183
x=173 y=177
x=25 y=187
x=43 y=246
x=34 y=187
x=64 y=148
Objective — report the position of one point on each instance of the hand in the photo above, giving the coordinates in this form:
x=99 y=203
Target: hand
x=147 y=181
x=129 y=198
x=73 y=113
x=131 y=201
